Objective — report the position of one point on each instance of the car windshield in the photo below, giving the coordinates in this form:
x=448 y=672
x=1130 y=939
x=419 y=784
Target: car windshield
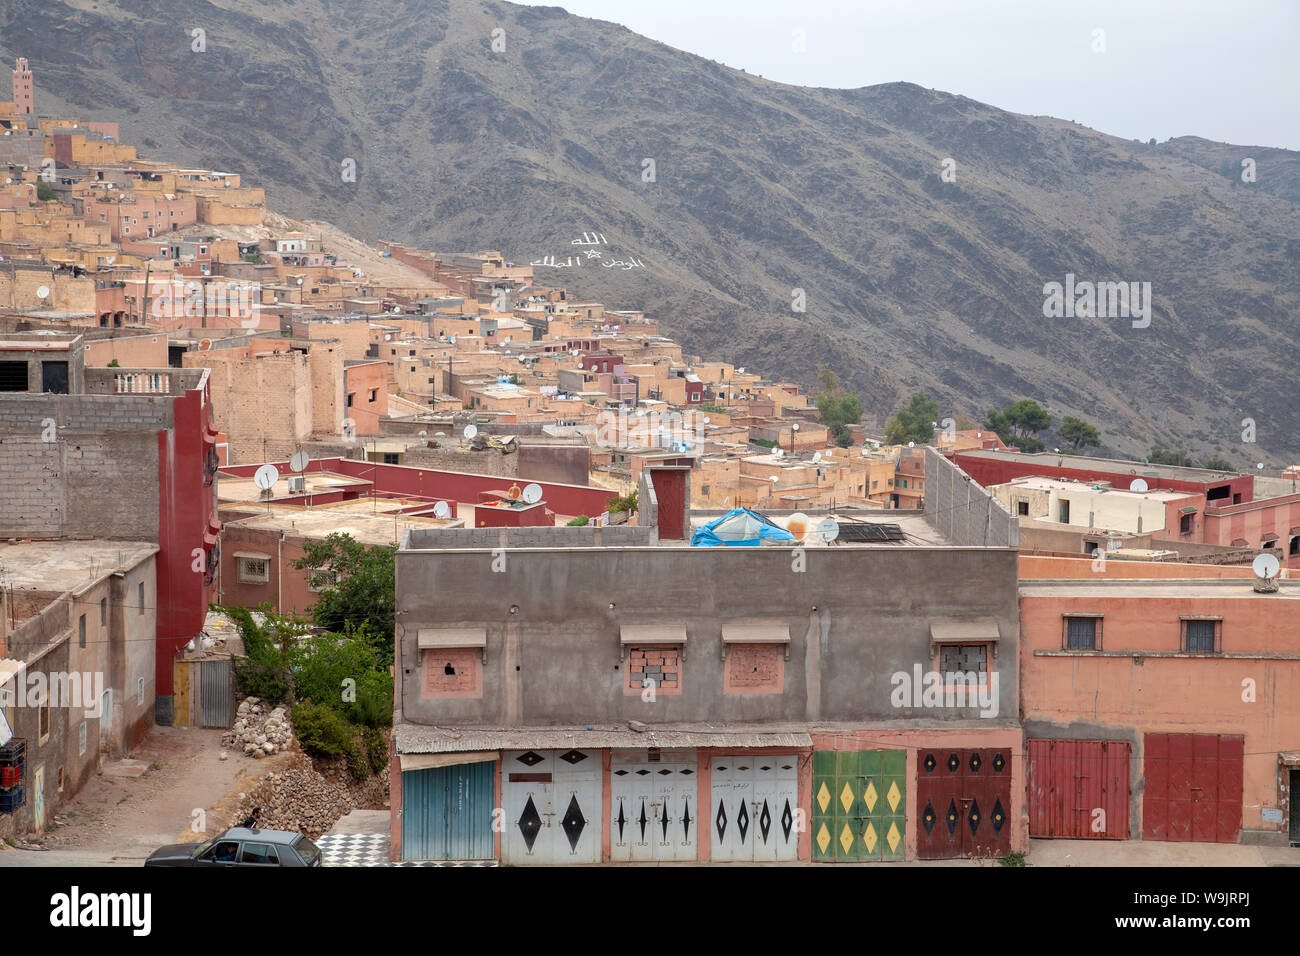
x=201 y=848
x=306 y=849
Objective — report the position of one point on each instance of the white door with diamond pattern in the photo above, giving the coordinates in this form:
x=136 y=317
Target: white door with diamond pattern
x=653 y=809
x=754 y=808
x=552 y=806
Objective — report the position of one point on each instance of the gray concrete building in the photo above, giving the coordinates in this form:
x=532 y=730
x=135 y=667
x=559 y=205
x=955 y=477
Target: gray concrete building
x=606 y=694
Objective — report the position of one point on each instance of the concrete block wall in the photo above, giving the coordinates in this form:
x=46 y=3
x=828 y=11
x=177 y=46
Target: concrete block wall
x=961 y=510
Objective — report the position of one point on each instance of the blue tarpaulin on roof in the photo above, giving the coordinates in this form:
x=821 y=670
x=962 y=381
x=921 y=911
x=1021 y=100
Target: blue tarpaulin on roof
x=739 y=528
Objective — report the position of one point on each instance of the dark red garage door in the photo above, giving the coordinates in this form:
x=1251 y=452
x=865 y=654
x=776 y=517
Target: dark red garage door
x=1193 y=788
x=1079 y=789
x=965 y=801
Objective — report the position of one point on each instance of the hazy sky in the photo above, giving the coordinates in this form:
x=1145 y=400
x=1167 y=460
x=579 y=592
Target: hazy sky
x=1223 y=69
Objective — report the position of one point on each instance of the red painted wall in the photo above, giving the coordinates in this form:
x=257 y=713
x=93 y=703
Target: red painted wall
x=997 y=471
x=187 y=520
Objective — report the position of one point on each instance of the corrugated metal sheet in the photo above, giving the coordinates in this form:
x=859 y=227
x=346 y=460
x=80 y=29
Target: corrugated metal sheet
x=415 y=739
x=216 y=693
x=1079 y=789
x=447 y=813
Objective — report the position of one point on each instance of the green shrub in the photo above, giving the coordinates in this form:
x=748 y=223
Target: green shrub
x=321 y=732
x=578 y=521
x=44 y=191
x=1016 y=858
x=358 y=765
x=376 y=748
x=374 y=704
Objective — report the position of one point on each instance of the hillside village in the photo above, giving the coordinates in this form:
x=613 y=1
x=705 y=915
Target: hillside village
x=165 y=337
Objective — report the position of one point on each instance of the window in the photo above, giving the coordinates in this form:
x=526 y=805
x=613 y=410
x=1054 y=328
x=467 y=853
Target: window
x=140 y=597
x=1293 y=549
x=103 y=611
x=374 y=392
x=1063 y=512
x=392 y=458
x=139 y=691
x=261 y=854
x=81 y=631
x=1200 y=635
x=81 y=739
x=1270 y=543
x=254 y=570
x=43 y=717
x=1185 y=524
x=13 y=376
x=452 y=672
x=1022 y=508
x=1082 y=633
x=322 y=580
x=963 y=658
x=351 y=395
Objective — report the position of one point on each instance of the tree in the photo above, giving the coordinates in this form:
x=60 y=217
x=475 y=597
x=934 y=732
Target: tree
x=1218 y=464
x=44 y=191
x=914 y=422
x=357 y=588
x=1166 y=456
x=1079 y=433
x=1019 y=423
x=838 y=409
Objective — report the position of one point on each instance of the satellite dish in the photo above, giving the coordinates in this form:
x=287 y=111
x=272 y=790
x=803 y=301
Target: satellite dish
x=439 y=434
x=266 y=477
x=706 y=419
x=205 y=344
x=299 y=461
x=452 y=340
x=864 y=453
x=911 y=444
x=442 y=510
x=423 y=433
x=777 y=452
x=1266 y=566
x=774 y=479
x=42 y=292
x=828 y=529
x=1139 y=485
x=797 y=525
x=532 y=493
x=875 y=444
x=471 y=431
x=817 y=456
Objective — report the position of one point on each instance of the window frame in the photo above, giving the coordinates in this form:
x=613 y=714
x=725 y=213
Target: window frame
x=1185 y=619
x=1097 y=629
x=983 y=675
x=248 y=577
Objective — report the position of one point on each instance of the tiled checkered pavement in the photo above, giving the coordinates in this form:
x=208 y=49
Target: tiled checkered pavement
x=371 y=849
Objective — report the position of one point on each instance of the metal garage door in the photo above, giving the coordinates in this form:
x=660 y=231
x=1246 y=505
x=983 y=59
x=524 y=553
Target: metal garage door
x=447 y=812
x=964 y=797
x=553 y=806
x=1193 y=787
x=216 y=693
x=653 y=810
x=859 y=804
x=1079 y=789
x=752 y=812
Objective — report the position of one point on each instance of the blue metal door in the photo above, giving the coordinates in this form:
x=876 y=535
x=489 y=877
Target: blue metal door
x=447 y=812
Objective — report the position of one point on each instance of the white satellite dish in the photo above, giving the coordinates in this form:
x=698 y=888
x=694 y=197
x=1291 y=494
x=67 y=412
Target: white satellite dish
x=266 y=477
x=1139 y=485
x=817 y=456
x=798 y=519
x=442 y=510
x=706 y=419
x=875 y=444
x=471 y=431
x=774 y=479
x=777 y=452
x=1266 y=566
x=439 y=434
x=828 y=529
x=864 y=453
x=299 y=461
x=532 y=493
x=911 y=444
x=42 y=292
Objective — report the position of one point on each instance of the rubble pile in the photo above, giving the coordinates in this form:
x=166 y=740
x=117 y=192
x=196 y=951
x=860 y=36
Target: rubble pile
x=260 y=731
x=296 y=799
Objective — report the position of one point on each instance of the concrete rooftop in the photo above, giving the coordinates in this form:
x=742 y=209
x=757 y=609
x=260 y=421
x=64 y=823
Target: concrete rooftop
x=67 y=565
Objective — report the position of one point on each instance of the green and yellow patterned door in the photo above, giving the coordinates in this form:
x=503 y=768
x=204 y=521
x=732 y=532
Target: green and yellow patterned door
x=858 y=810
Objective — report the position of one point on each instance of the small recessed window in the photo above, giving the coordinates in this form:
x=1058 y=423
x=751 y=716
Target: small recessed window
x=963 y=658
x=139 y=691
x=103 y=610
x=254 y=570
x=1083 y=633
x=81 y=739
x=1201 y=636
x=1022 y=509
x=1185 y=524
x=81 y=631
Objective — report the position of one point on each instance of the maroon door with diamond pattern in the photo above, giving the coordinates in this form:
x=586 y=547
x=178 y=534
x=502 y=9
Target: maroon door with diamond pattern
x=964 y=798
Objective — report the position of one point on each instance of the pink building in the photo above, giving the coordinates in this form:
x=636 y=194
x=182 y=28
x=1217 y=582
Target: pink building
x=141 y=216
x=24 y=88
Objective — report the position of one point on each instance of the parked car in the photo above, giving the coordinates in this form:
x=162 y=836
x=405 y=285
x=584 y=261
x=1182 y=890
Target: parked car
x=240 y=846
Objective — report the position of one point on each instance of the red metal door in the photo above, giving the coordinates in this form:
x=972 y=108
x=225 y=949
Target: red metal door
x=1079 y=789
x=670 y=490
x=965 y=801
x=1193 y=788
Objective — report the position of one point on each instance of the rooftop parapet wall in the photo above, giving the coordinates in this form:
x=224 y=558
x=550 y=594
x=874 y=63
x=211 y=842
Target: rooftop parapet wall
x=962 y=511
